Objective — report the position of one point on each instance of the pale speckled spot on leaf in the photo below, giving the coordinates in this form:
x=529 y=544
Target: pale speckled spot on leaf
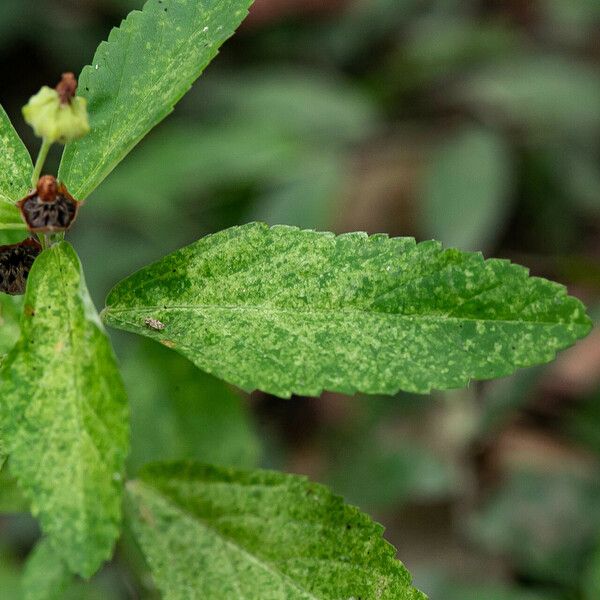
x=64 y=414
x=291 y=311
x=139 y=74
x=15 y=170
x=211 y=533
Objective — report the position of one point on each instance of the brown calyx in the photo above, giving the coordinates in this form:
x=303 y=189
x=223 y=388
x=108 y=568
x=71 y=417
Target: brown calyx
x=49 y=208
x=66 y=88
x=47 y=188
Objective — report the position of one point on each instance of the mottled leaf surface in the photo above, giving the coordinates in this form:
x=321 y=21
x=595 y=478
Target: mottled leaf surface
x=10 y=315
x=11 y=497
x=63 y=413
x=138 y=75
x=290 y=311
x=15 y=163
x=211 y=533
x=46 y=576
x=15 y=174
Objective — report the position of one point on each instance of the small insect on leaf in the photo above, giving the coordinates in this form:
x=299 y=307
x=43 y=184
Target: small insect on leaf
x=15 y=263
x=154 y=324
x=50 y=208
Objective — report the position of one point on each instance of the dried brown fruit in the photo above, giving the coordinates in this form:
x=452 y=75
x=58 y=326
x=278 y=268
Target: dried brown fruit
x=15 y=263
x=50 y=208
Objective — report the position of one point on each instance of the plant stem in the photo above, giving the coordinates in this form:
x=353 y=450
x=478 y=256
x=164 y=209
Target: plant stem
x=39 y=163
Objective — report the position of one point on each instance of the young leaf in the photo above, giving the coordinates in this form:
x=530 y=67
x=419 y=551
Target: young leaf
x=535 y=518
x=470 y=175
x=46 y=576
x=64 y=413
x=216 y=533
x=138 y=75
x=290 y=311
x=549 y=94
x=15 y=167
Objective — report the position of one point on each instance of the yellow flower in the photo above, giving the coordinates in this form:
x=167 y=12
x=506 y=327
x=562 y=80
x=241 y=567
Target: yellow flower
x=57 y=117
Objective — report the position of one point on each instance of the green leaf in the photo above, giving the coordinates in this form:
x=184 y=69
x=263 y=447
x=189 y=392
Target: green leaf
x=46 y=576
x=179 y=412
x=365 y=22
x=220 y=533
x=10 y=235
x=591 y=578
x=10 y=217
x=371 y=475
x=547 y=93
x=11 y=497
x=505 y=397
x=536 y=520
x=470 y=175
x=15 y=174
x=11 y=308
x=64 y=413
x=138 y=75
x=578 y=174
x=290 y=311
x=308 y=200
x=282 y=132
x=311 y=106
x=15 y=167
x=10 y=577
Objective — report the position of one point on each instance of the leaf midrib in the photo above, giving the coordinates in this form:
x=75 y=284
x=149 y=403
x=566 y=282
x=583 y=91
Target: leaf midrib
x=267 y=309
x=76 y=388
x=84 y=433
x=266 y=565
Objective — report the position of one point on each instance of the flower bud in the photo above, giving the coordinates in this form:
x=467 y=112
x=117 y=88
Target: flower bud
x=57 y=115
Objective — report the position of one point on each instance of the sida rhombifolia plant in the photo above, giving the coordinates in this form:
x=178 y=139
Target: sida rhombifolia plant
x=277 y=309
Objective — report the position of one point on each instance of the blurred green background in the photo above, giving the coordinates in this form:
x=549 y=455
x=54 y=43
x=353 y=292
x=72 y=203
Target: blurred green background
x=475 y=122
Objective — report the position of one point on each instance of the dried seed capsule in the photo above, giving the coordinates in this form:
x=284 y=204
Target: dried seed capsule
x=15 y=264
x=50 y=208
